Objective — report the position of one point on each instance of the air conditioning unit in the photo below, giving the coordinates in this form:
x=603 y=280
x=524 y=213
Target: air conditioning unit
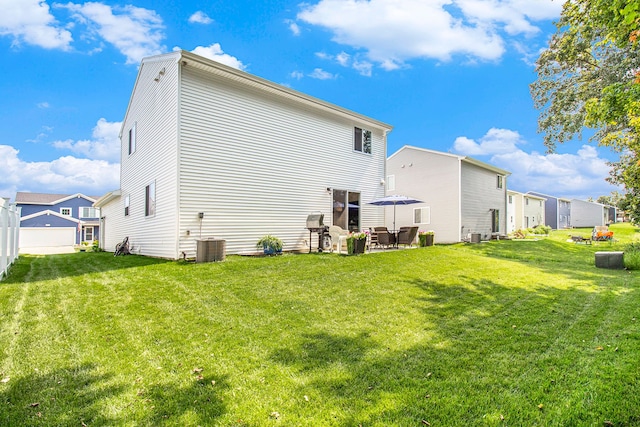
x=209 y=250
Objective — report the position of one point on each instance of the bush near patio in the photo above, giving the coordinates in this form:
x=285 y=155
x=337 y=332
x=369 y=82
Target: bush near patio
x=499 y=333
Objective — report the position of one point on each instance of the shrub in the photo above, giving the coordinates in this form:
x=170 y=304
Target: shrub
x=632 y=256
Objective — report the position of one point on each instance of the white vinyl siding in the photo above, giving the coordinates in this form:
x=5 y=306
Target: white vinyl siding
x=243 y=165
x=479 y=197
x=434 y=178
x=154 y=110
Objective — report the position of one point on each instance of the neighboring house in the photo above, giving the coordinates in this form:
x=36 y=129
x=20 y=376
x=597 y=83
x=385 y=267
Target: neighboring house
x=209 y=151
x=524 y=211
x=588 y=214
x=557 y=211
x=50 y=220
x=461 y=195
x=613 y=214
x=514 y=211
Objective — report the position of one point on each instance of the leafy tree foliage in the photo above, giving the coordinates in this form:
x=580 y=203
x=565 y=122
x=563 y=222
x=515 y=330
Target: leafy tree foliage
x=589 y=77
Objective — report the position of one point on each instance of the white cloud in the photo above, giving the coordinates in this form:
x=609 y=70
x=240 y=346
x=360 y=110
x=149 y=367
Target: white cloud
x=494 y=142
x=200 y=18
x=346 y=60
x=31 y=22
x=320 y=74
x=293 y=26
x=63 y=175
x=580 y=175
x=215 y=53
x=105 y=144
x=42 y=105
x=136 y=32
x=392 y=32
x=297 y=75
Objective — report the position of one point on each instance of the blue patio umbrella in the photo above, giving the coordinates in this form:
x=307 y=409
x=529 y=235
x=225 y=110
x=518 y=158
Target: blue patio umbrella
x=394 y=200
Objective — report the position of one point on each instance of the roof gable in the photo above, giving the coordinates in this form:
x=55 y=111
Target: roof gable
x=26 y=198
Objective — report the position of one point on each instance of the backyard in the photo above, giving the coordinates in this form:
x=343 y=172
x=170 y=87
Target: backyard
x=498 y=333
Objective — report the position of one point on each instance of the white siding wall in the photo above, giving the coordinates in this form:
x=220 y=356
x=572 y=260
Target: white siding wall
x=479 y=195
x=256 y=165
x=587 y=214
x=153 y=107
x=534 y=211
x=433 y=178
x=514 y=211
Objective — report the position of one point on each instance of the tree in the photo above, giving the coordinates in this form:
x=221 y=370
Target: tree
x=589 y=77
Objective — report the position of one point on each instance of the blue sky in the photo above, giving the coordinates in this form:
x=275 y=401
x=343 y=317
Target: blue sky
x=448 y=75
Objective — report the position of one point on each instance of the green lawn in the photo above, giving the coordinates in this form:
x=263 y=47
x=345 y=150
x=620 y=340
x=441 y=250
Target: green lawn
x=517 y=333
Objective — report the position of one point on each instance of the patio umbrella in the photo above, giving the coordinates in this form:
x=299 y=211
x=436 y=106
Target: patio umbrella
x=394 y=200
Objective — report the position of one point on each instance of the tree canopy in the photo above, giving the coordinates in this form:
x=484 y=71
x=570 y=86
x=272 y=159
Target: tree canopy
x=589 y=77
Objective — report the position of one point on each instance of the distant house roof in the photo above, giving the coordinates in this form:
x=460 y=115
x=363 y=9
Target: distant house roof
x=26 y=198
x=467 y=159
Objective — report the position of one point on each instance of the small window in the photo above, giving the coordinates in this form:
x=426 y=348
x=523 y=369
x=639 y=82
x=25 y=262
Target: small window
x=362 y=140
x=65 y=211
x=526 y=202
x=126 y=205
x=510 y=199
x=391 y=183
x=89 y=212
x=150 y=199
x=132 y=139
x=499 y=181
x=422 y=215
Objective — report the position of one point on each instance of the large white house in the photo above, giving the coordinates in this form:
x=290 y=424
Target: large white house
x=460 y=195
x=211 y=151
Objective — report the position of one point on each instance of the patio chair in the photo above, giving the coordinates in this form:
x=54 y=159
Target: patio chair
x=385 y=238
x=373 y=238
x=407 y=235
x=338 y=236
x=601 y=233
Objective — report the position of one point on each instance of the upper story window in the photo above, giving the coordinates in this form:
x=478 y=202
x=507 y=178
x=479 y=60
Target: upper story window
x=89 y=212
x=362 y=140
x=132 y=139
x=499 y=182
x=511 y=199
x=65 y=211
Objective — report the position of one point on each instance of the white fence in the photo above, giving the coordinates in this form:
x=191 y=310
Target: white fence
x=9 y=235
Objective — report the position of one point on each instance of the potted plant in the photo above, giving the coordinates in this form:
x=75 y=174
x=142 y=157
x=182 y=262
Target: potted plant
x=425 y=238
x=271 y=245
x=356 y=243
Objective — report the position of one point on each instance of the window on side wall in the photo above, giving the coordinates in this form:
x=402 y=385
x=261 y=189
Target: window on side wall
x=391 y=183
x=150 y=199
x=422 y=215
x=499 y=182
x=362 y=140
x=126 y=205
x=89 y=212
x=65 y=211
x=132 y=139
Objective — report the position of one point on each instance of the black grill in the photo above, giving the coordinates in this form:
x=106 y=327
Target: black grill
x=315 y=224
